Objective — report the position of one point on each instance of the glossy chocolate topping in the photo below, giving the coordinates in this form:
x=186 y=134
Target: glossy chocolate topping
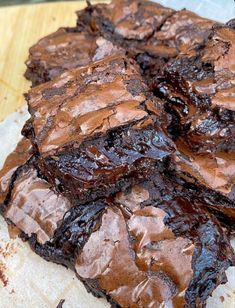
x=17 y=158
x=34 y=207
x=85 y=101
x=138 y=261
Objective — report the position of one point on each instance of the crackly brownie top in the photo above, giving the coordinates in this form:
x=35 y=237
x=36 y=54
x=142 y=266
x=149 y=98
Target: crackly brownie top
x=86 y=101
x=34 y=207
x=17 y=158
x=220 y=52
x=149 y=27
x=133 y=20
x=214 y=170
x=210 y=73
x=184 y=30
x=139 y=261
x=153 y=254
x=198 y=90
x=63 y=49
x=138 y=248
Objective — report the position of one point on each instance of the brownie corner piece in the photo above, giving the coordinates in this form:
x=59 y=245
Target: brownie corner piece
x=64 y=49
x=161 y=249
x=93 y=130
x=198 y=91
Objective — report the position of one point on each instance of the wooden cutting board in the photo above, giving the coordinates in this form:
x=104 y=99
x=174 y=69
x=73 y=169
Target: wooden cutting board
x=20 y=28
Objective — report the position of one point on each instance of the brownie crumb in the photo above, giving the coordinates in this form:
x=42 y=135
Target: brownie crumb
x=3 y=278
x=222 y=299
x=61 y=303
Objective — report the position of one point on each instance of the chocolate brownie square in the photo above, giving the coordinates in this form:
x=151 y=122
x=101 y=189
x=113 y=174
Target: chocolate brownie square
x=65 y=49
x=93 y=130
x=209 y=177
x=62 y=50
x=161 y=251
x=198 y=91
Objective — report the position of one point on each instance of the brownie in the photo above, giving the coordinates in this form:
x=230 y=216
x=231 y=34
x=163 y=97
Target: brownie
x=127 y=174
x=17 y=158
x=210 y=177
x=63 y=50
x=150 y=244
x=33 y=206
x=94 y=131
x=198 y=92
x=146 y=31
x=150 y=259
x=57 y=52
x=150 y=32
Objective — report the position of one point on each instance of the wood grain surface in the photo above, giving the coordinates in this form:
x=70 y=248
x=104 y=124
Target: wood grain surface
x=21 y=27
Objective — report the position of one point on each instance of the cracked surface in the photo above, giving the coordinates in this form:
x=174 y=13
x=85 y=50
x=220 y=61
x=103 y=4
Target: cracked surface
x=146 y=31
x=65 y=49
x=215 y=171
x=18 y=157
x=146 y=280
x=150 y=33
x=150 y=245
x=52 y=55
x=202 y=125
x=199 y=93
x=93 y=130
x=33 y=206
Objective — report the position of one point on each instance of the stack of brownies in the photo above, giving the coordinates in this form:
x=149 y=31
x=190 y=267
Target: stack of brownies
x=126 y=171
